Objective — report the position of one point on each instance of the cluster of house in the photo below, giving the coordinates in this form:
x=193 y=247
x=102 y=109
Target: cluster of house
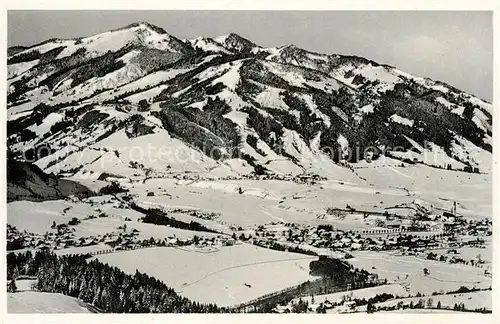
x=131 y=241
x=120 y=239
x=301 y=178
x=326 y=236
x=54 y=240
x=344 y=304
x=195 y=213
x=313 y=308
x=452 y=256
x=446 y=223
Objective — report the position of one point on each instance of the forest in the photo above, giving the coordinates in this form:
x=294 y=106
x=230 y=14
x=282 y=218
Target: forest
x=107 y=288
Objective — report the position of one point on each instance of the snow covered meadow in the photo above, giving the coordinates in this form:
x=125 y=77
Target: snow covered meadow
x=229 y=275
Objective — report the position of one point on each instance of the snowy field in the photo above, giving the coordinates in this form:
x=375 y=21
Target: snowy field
x=37 y=217
x=471 y=301
x=473 y=192
x=41 y=302
x=443 y=276
x=263 y=202
x=228 y=276
x=470 y=253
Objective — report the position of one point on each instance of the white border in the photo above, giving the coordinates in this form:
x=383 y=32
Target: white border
x=357 y=5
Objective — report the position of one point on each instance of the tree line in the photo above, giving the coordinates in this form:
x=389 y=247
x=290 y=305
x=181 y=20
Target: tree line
x=158 y=217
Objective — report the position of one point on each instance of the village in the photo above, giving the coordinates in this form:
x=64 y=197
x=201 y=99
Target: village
x=121 y=239
x=414 y=236
x=411 y=229
x=305 y=178
x=433 y=237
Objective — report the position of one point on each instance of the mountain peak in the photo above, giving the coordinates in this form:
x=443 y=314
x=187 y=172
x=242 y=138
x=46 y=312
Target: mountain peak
x=236 y=43
x=147 y=34
x=145 y=25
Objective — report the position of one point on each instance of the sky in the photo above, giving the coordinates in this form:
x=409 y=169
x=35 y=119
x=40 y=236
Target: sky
x=451 y=46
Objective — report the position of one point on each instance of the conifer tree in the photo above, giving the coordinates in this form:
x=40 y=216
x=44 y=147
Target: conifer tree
x=12 y=287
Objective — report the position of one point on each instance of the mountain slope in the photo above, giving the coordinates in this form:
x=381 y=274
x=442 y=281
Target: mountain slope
x=232 y=106
x=28 y=182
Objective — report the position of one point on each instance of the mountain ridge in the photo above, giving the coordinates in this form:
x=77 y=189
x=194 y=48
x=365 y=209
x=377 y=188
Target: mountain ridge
x=152 y=26
x=258 y=106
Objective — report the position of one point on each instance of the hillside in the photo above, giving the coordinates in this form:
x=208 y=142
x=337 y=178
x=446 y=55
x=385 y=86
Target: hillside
x=42 y=302
x=27 y=182
x=233 y=105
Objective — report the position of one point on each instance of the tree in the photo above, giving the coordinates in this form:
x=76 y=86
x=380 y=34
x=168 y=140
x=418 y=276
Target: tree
x=430 y=302
x=438 y=305
x=369 y=307
x=411 y=304
x=12 y=287
x=468 y=112
x=321 y=309
x=143 y=105
x=300 y=307
x=54 y=225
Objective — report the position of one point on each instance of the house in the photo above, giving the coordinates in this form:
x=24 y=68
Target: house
x=483 y=228
x=327 y=304
x=228 y=242
x=351 y=305
x=448 y=217
x=356 y=246
x=393 y=224
x=313 y=307
x=434 y=216
x=392 y=241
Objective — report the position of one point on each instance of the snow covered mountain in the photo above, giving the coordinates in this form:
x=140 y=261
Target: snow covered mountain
x=227 y=106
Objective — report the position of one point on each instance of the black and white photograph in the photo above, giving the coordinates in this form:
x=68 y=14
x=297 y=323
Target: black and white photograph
x=234 y=161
